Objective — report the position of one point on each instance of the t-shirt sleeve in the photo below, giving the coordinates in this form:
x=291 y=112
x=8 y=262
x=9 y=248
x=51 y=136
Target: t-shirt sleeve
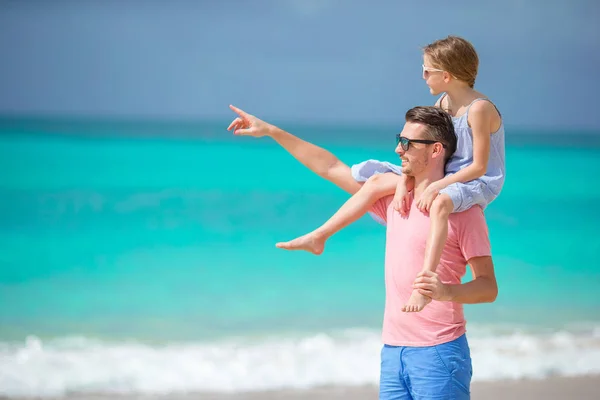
x=379 y=210
x=473 y=235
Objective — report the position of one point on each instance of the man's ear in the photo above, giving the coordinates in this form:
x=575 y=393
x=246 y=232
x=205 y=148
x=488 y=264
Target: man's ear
x=438 y=150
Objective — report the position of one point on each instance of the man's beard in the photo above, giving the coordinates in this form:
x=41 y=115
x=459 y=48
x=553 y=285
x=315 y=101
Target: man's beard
x=420 y=166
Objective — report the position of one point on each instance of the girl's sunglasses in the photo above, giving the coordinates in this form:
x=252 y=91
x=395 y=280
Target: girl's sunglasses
x=405 y=142
x=426 y=70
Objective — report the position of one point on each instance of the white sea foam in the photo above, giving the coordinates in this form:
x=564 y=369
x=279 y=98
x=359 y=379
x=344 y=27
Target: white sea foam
x=60 y=366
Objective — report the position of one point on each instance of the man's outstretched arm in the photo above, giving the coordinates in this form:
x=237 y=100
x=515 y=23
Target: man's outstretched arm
x=315 y=158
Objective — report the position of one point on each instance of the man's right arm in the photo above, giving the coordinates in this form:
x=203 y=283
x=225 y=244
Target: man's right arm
x=317 y=159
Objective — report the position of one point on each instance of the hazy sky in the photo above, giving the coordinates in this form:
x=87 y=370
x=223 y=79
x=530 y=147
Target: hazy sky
x=312 y=60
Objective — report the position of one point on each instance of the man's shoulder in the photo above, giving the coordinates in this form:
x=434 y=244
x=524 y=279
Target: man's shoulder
x=380 y=210
x=385 y=202
x=473 y=218
x=474 y=212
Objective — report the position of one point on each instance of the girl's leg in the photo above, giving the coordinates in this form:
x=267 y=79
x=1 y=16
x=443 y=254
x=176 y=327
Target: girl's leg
x=375 y=188
x=440 y=211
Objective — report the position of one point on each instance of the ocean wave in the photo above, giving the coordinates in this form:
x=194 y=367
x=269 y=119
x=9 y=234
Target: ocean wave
x=70 y=365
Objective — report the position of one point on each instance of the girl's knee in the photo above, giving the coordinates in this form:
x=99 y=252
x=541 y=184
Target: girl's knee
x=442 y=205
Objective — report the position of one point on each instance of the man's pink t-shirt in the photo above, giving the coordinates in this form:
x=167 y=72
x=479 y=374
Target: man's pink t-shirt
x=440 y=321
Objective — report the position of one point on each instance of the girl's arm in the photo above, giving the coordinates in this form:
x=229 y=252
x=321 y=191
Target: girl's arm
x=482 y=117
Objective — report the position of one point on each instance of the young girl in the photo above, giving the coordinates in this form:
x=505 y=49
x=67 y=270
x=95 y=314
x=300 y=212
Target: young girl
x=474 y=173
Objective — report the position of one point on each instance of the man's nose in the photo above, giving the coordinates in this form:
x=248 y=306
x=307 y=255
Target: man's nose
x=399 y=150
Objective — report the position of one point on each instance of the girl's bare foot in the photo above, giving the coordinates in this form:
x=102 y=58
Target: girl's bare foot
x=309 y=242
x=417 y=302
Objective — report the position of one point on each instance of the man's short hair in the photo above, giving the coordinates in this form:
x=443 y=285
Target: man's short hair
x=439 y=126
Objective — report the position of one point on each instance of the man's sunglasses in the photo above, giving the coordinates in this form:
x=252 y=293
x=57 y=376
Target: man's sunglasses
x=405 y=142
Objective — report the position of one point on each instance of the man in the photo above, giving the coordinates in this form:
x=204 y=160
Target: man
x=425 y=355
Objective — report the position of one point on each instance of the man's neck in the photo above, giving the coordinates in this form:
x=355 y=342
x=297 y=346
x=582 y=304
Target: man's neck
x=424 y=180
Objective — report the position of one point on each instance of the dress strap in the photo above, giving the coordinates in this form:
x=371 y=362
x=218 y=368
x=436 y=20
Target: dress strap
x=484 y=99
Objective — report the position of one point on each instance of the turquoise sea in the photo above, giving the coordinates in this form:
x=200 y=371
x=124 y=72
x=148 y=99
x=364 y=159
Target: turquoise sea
x=139 y=258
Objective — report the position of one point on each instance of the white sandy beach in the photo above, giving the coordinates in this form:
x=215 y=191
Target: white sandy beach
x=559 y=388
x=577 y=388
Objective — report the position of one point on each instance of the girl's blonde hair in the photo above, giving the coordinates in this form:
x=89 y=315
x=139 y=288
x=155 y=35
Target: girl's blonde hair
x=456 y=56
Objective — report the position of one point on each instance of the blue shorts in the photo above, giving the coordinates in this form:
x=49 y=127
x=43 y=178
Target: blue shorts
x=418 y=373
x=469 y=194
